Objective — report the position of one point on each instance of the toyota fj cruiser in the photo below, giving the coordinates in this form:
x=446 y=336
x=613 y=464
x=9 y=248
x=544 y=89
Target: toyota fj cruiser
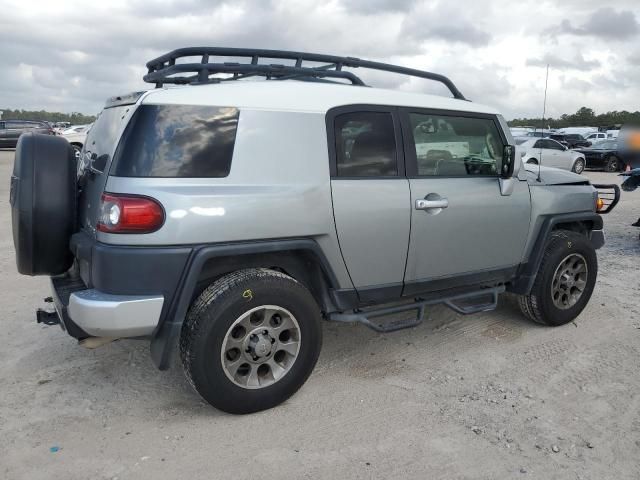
x=226 y=218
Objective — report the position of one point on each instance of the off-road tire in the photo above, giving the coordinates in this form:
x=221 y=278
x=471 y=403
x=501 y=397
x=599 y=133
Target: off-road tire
x=538 y=305
x=212 y=314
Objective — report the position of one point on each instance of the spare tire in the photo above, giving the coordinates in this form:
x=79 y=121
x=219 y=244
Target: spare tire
x=43 y=204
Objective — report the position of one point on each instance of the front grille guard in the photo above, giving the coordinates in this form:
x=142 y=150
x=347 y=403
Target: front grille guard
x=610 y=195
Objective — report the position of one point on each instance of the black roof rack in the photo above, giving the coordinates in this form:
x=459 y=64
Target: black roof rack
x=164 y=69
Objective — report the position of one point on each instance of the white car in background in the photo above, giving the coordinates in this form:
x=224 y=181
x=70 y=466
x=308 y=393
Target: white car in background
x=76 y=136
x=547 y=152
x=596 y=137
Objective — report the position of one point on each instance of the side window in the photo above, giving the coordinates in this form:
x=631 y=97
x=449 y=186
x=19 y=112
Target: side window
x=554 y=145
x=181 y=141
x=539 y=144
x=456 y=146
x=366 y=145
x=1 y=125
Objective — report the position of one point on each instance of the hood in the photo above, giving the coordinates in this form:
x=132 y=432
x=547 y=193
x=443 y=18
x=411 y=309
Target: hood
x=553 y=176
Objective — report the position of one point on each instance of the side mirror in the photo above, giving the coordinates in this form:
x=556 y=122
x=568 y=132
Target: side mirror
x=508 y=161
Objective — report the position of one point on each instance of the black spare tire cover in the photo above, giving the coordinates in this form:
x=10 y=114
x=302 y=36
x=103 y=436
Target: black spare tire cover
x=43 y=204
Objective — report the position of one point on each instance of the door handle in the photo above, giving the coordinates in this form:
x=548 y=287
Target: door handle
x=424 y=204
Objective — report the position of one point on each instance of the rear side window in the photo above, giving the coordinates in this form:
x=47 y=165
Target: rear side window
x=177 y=141
x=366 y=145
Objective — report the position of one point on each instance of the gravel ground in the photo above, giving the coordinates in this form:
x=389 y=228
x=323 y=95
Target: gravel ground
x=487 y=396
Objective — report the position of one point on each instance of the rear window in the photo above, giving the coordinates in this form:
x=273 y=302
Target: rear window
x=103 y=136
x=177 y=141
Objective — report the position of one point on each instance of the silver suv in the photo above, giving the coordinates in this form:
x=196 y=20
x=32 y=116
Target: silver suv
x=226 y=218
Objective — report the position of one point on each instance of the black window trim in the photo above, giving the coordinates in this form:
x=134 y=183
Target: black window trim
x=411 y=159
x=330 y=120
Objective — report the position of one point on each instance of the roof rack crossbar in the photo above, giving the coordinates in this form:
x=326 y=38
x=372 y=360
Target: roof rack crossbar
x=164 y=69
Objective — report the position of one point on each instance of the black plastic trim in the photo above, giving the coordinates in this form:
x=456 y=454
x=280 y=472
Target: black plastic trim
x=62 y=286
x=465 y=281
x=375 y=293
x=427 y=289
x=164 y=340
x=597 y=239
x=527 y=272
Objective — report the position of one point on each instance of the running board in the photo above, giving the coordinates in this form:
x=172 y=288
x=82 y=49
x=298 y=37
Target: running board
x=482 y=300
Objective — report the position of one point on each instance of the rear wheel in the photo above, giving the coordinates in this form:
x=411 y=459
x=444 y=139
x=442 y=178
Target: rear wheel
x=251 y=340
x=564 y=282
x=578 y=166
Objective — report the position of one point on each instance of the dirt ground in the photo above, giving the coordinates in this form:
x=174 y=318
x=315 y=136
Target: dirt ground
x=486 y=396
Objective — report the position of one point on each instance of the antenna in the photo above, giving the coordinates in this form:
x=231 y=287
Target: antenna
x=544 y=111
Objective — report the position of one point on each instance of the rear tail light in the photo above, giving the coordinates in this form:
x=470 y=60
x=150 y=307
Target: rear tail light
x=129 y=214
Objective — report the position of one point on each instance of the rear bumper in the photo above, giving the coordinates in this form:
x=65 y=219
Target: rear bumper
x=105 y=315
x=87 y=312
x=117 y=291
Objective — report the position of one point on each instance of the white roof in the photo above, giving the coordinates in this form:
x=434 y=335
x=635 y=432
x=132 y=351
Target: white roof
x=293 y=95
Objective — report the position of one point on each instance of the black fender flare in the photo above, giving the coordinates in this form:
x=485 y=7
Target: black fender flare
x=527 y=271
x=164 y=339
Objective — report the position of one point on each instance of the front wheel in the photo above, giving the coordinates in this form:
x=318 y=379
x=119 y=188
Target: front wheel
x=578 y=166
x=251 y=340
x=613 y=164
x=532 y=161
x=564 y=282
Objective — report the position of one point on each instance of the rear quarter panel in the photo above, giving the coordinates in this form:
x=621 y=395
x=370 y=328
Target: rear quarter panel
x=278 y=187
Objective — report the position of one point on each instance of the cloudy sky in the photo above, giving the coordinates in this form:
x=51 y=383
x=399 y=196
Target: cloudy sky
x=67 y=55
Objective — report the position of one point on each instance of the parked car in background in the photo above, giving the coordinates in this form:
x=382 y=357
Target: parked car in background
x=550 y=153
x=59 y=127
x=596 y=137
x=582 y=131
x=571 y=140
x=603 y=155
x=76 y=136
x=612 y=133
x=539 y=133
x=520 y=131
x=10 y=130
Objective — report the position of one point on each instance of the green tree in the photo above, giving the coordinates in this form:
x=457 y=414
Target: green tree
x=75 y=118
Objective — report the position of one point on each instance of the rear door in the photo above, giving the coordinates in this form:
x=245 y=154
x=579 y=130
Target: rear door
x=463 y=230
x=370 y=197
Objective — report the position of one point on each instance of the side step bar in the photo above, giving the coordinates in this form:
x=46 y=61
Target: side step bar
x=482 y=300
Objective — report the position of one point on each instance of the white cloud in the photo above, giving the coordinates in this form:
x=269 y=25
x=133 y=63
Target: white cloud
x=72 y=55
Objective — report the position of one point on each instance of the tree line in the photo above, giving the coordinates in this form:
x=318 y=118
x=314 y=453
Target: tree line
x=74 y=118
x=583 y=117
